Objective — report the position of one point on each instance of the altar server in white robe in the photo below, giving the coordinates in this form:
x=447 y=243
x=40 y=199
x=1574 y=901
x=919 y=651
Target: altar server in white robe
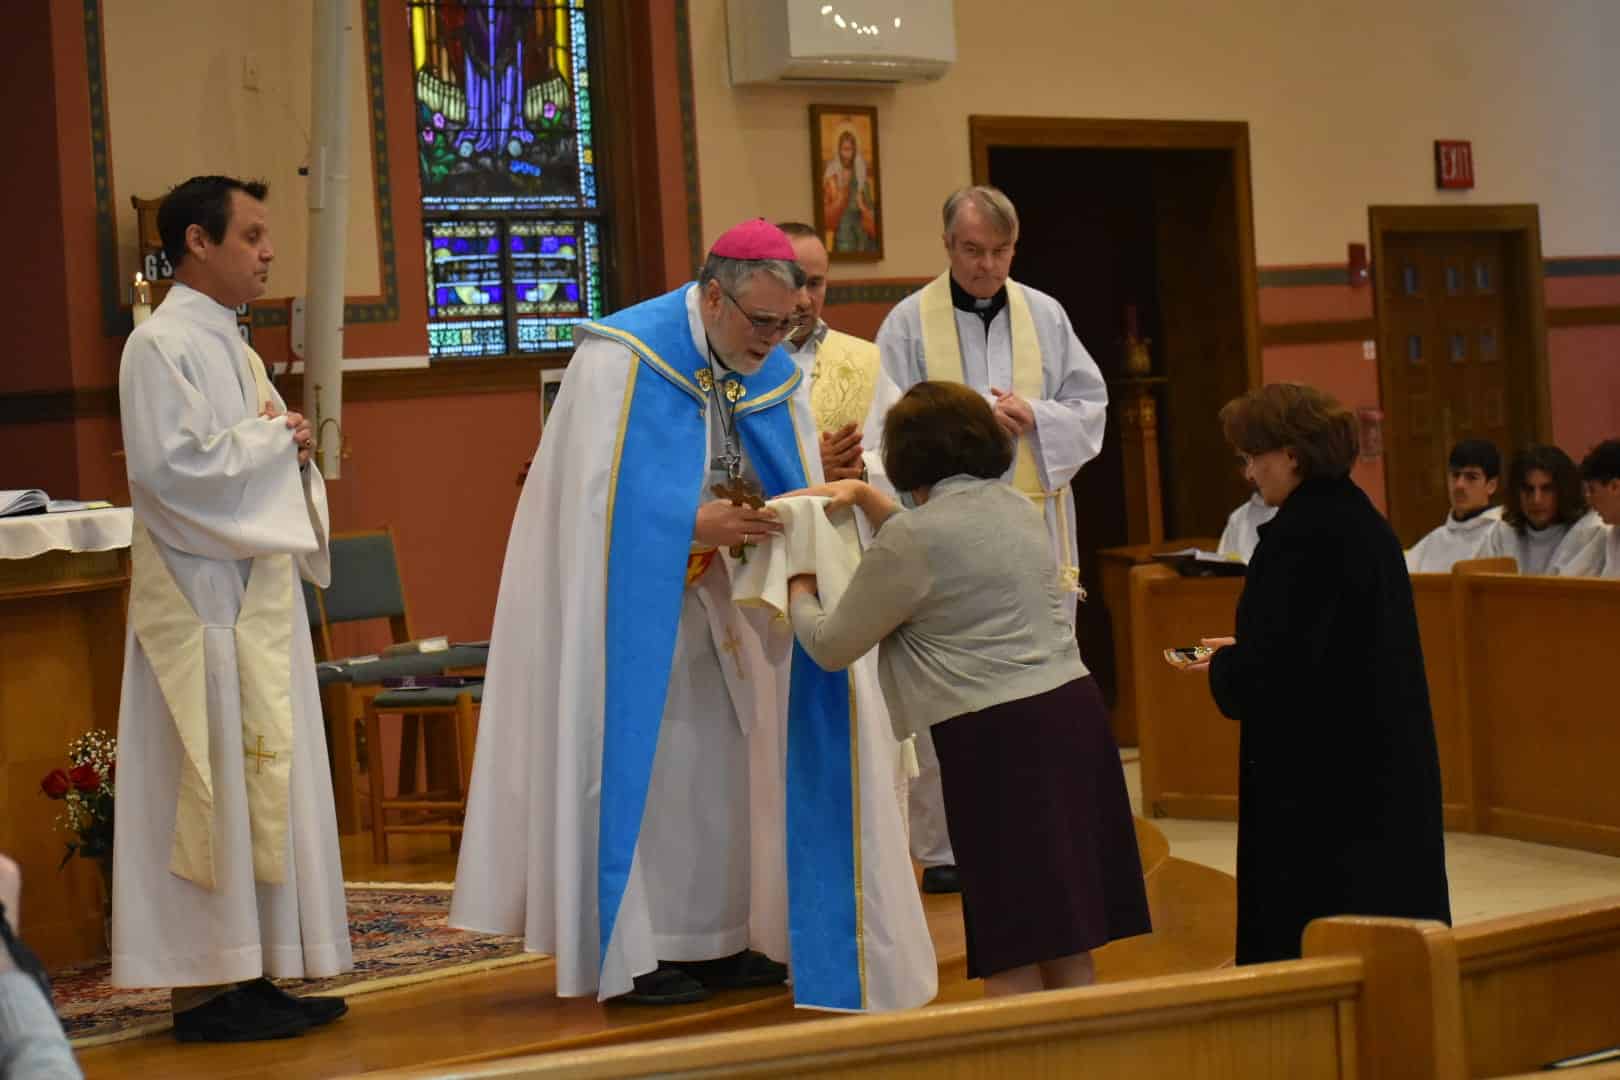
x=667 y=793
x=1546 y=526
x=973 y=324
x=226 y=868
x=1242 y=532
x=1600 y=472
x=1472 y=471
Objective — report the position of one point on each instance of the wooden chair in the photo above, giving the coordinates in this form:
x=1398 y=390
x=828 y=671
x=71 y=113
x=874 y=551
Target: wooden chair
x=438 y=809
x=367 y=585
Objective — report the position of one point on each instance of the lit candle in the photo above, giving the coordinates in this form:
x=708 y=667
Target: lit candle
x=141 y=299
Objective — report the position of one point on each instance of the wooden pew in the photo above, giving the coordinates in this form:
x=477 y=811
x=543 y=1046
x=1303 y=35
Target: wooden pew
x=1114 y=594
x=1373 y=998
x=1538 y=658
x=1297 y=1020
x=1189 y=750
x=1540 y=987
x=1501 y=997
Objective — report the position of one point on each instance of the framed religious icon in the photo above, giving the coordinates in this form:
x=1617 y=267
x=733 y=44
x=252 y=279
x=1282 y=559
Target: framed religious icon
x=847 y=175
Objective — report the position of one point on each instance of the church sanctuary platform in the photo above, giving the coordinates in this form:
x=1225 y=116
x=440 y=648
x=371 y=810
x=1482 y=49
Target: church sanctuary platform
x=463 y=1021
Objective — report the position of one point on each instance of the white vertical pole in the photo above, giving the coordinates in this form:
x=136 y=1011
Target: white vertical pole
x=332 y=25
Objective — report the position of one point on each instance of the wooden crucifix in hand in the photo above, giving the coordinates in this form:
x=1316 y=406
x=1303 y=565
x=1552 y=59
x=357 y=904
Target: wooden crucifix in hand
x=739 y=492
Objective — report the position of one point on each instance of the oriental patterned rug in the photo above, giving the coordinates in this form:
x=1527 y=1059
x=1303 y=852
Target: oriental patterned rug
x=399 y=937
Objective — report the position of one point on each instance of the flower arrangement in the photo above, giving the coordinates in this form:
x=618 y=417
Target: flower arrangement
x=86 y=789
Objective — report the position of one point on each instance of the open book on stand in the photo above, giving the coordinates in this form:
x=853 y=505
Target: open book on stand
x=35 y=501
x=1195 y=562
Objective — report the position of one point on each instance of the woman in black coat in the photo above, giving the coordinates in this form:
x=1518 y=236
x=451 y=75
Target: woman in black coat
x=1339 y=775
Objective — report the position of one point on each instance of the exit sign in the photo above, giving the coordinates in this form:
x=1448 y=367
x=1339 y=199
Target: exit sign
x=1453 y=164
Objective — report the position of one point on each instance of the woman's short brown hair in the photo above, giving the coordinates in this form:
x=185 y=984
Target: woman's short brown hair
x=941 y=429
x=1322 y=433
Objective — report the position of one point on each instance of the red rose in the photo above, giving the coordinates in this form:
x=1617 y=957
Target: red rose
x=56 y=784
x=85 y=777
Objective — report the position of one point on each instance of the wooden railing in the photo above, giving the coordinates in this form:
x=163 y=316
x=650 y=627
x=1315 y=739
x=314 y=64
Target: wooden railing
x=1373 y=998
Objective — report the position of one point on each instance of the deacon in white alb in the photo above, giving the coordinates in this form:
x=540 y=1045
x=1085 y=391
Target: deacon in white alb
x=226 y=867
x=1473 y=470
x=1545 y=527
x=975 y=325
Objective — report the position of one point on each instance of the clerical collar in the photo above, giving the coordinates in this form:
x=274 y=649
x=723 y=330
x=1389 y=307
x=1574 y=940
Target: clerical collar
x=987 y=310
x=1470 y=516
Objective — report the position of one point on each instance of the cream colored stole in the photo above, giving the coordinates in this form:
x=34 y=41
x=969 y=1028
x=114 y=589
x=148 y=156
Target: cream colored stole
x=171 y=635
x=844 y=381
x=942 y=358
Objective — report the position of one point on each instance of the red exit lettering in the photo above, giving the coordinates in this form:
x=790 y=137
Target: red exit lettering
x=1453 y=164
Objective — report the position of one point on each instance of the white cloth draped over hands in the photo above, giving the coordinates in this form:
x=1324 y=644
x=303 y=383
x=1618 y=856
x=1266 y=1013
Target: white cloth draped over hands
x=810 y=543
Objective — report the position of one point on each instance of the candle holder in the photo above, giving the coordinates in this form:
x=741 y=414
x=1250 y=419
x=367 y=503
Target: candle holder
x=140 y=299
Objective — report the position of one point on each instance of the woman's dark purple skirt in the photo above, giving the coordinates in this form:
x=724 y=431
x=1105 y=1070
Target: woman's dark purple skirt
x=1041 y=826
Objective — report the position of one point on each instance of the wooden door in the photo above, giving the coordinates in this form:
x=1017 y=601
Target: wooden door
x=1451 y=361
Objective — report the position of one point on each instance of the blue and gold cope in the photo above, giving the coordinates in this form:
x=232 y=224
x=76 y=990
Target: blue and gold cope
x=656 y=488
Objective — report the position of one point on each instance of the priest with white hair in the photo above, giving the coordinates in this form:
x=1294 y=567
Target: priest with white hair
x=976 y=325
x=668 y=795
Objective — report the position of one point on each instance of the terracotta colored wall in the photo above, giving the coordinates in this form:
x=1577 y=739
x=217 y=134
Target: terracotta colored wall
x=1584 y=372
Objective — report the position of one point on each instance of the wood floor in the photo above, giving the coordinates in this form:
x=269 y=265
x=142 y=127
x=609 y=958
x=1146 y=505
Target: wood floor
x=515 y=1010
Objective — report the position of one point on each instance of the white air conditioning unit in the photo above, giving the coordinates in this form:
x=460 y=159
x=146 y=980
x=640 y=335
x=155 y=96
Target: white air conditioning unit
x=840 y=41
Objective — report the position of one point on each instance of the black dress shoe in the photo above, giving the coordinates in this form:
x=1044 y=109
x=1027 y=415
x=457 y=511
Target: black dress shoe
x=739 y=971
x=316 y=1010
x=238 y=1016
x=940 y=879
x=664 y=985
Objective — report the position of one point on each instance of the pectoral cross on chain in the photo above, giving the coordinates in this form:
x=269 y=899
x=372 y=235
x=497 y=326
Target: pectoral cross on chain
x=739 y=492
x=260 y=754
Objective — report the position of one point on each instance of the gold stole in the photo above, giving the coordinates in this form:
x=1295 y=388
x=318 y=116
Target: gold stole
x=171 y=635
x=942 y=356
x=942 y=353
x=844 y=381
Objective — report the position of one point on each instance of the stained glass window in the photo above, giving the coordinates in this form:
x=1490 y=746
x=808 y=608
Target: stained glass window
x=509 y=198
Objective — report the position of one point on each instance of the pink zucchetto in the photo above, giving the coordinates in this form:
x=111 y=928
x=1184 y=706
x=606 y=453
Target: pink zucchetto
x=754 y=240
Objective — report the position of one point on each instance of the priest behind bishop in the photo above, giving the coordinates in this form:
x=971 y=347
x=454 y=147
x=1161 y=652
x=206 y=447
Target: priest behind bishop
x=226 y=869
x=668 y=795
x=848 y=389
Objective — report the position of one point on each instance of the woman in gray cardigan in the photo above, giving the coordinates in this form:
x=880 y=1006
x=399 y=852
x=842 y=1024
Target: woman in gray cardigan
x=960 y=595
